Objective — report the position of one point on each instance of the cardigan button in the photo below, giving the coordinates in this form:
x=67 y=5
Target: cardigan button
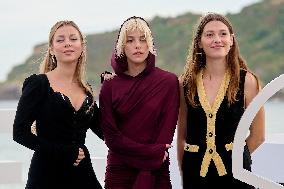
x=210 y=134
x=210 y=151
x=210 y=115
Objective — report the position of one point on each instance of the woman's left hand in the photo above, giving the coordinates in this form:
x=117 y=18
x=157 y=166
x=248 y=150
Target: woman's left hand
x=80 y=157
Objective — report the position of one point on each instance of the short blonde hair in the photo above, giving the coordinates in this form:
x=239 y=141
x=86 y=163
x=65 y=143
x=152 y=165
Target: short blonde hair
x=131 y=24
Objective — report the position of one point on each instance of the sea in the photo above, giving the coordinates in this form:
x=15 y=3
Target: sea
x=11 y=151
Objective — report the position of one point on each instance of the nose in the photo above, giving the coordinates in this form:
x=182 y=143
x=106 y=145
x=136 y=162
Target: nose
x=67 y=45
x=217 y=39
x=138 y=45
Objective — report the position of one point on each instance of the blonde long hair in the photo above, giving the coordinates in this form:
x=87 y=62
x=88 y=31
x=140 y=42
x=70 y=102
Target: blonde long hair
x=196 y=60
x=48 y=64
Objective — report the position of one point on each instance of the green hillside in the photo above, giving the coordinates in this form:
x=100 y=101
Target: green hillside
x=259 y=31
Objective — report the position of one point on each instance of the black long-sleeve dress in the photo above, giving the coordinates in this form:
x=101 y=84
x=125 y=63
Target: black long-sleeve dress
x=60 y=132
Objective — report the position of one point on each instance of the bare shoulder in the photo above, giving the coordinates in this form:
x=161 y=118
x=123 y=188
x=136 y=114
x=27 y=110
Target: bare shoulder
x=181 y=82
x=180 y=79
x=181 y=88
x=251 y=87
x=251 y=82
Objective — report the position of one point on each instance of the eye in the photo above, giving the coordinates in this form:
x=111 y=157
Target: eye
x=143 y=39
x=209 y=35
x=224 y=34
x=59 y=40
x=74 y=39
x=129 y=40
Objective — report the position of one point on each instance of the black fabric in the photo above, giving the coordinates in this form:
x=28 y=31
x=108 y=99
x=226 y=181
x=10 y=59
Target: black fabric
x=102 y=75
x=61 y=131
x=225 y=127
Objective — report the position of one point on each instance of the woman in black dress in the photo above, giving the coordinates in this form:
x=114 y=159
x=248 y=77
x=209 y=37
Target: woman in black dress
x=216 y=87
x=61 y=107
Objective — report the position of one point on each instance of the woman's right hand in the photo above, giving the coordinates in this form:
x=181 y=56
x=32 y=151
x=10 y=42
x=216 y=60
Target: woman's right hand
x=107 y=76
x=166 y=153
x=165 y=156
x=80 y=157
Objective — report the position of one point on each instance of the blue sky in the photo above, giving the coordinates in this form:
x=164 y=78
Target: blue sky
x=25 y=24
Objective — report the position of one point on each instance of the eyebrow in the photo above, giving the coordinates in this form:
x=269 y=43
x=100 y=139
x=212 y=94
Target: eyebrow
x=222 y=30
x=131 y=36
x=64 y=35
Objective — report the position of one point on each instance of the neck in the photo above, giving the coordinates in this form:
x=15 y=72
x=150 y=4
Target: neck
x=66 y=72
x=215 y=69
x=134 y=69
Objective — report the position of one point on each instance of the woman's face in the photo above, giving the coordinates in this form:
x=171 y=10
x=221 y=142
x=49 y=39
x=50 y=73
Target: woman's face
x=216 y=40
x=136 y=48
x=66 y=45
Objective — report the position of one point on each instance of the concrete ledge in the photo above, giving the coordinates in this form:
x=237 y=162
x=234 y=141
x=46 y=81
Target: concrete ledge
x=10 y=172
x=7 y=117
x=99 y=165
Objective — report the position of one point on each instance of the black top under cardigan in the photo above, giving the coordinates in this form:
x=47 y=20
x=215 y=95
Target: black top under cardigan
x=61 y=131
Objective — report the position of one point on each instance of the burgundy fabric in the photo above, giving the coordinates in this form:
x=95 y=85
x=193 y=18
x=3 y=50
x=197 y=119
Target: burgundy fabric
x=119 y=64
x=139 y=116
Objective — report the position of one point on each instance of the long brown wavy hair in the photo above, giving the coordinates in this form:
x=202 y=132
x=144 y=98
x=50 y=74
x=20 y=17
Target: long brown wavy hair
x=196 y=60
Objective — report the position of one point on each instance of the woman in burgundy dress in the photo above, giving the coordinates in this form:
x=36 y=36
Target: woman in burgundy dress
x=139 y=112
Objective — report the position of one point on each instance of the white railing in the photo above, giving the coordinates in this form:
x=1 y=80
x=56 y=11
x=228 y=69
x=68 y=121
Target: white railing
x=10 y=172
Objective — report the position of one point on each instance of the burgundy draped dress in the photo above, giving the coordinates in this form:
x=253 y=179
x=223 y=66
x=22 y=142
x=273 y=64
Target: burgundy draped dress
x=139 y=116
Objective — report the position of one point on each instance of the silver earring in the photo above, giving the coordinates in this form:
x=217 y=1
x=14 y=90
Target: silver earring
x=200 y=53
x=53 y=59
